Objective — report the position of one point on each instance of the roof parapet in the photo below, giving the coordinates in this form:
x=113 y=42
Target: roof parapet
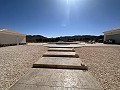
x=11 y=32
x=112 y=30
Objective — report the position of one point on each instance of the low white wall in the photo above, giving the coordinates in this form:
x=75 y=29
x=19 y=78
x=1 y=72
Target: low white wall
x=22 y=39
x=11 y=39
x=115 y=37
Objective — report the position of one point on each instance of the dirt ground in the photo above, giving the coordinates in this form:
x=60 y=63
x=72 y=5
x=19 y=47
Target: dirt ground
x=103 y=63
x=15 y=61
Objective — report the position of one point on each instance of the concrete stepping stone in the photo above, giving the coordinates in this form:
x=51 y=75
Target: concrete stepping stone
x=63 y=43
x=62 y=49
x=60 y=63
x=60 y=54
x=62 y=46
x=57 y=79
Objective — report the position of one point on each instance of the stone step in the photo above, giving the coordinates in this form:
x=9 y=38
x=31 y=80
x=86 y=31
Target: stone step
x=62 y=46
x=61 y=54
x=62 y=49
x=57 y=79
x=60 y=63
x=64 y=43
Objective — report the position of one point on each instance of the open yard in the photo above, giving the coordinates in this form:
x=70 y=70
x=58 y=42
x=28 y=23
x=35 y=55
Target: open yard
x=104 y=64
x=15 y=61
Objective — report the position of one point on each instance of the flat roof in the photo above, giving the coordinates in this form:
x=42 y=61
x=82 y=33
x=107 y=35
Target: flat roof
x=11 y=32
x=112 y=30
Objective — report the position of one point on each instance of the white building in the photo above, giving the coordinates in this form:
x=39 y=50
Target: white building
x=8 y=37
x=113 y=34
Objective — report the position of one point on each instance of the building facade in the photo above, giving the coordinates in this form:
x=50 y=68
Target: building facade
x=112 y=35
x=8 y=37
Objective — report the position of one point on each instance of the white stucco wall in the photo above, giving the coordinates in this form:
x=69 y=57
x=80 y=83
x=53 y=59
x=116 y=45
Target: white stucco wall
x=6 y=38
x=112 y=34
x=115 y=37
x=22 y=39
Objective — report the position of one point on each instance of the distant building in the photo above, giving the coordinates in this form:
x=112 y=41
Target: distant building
x=8 y=37
x=113 y=34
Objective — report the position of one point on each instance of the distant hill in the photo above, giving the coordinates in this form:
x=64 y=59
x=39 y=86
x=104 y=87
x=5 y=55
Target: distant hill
x=34 y=38
x=40 y=38
x=82 y=38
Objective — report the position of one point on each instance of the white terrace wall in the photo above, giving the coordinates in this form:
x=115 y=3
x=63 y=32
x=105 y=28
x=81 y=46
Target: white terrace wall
x=112 y=34
x=115 y=37
x=6 y=38
x=22 y=39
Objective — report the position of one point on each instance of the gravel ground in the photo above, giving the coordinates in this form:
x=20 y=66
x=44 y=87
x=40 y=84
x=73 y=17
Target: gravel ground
x=104 y=64
x=15 y=61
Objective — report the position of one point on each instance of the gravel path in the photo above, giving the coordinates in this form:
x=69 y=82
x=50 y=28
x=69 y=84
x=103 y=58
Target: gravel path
x=15 y=61
x=104 y=64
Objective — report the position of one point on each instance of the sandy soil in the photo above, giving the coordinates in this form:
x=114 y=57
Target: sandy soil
x=15 y=61
x=104 y=64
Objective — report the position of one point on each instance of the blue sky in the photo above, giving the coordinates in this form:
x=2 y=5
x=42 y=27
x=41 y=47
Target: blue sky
x=53 y=18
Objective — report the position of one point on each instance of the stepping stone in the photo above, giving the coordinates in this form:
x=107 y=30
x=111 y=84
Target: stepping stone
x=63 y=43
x=60 y=54
x=62 y=46
x=60 y=63
x=57 y=79
x=62 y=49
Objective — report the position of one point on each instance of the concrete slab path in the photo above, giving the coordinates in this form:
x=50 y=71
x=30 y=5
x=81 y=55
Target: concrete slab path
x=60 y=63
x=62 y=46
x=62 y=49
x=57 y=79
x=60 y=54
